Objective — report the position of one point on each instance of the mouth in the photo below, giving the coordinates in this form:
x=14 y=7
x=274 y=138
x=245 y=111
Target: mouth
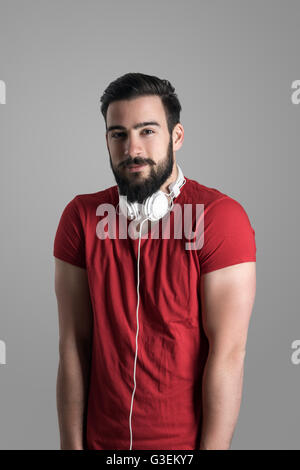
x=134 y=168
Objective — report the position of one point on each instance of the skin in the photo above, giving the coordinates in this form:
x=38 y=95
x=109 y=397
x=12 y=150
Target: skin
x=227 y=298
x=147 y=144
x=75 y=343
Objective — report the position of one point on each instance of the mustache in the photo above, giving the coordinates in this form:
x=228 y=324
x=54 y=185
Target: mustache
x=136 y=161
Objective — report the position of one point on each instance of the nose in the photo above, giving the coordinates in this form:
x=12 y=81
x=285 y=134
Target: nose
x=133 y=147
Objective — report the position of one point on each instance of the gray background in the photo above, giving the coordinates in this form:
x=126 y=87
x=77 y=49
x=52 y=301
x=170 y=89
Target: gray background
x=232 y=64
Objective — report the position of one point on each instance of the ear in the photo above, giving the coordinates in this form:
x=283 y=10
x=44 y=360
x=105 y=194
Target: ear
x=178 y=136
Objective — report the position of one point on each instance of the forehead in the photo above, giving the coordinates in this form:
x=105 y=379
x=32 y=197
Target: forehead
x=143 y=108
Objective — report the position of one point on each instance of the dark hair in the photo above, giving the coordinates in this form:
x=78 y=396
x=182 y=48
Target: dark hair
x=133 y=85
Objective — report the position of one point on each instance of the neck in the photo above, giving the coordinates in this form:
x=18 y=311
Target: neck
x=172 y=178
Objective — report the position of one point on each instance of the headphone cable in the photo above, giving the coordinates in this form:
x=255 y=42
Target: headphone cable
x=137 y=330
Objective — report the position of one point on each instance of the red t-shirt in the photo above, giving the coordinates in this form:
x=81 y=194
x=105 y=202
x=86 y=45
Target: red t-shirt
x=172 y=345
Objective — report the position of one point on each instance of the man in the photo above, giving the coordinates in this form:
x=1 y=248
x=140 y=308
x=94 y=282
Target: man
x=159 y=367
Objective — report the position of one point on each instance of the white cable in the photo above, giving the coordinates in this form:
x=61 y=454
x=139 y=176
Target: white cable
x=173 y=195
x=137 y=330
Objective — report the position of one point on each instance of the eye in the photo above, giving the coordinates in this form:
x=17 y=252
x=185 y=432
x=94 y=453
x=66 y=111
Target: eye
x=115 y=134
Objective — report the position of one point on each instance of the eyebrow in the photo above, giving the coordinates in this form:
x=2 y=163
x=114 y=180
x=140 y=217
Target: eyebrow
x=136 y=126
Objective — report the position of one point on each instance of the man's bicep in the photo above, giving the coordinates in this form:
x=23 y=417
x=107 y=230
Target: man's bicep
x=227 y=298
x=74 y=303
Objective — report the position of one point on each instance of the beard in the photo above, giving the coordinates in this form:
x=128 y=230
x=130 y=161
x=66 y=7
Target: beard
x=138 y=191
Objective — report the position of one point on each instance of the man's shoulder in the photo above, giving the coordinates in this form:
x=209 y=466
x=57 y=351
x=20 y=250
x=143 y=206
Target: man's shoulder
x=216 y=202
x=201 y=194
x=224 y=218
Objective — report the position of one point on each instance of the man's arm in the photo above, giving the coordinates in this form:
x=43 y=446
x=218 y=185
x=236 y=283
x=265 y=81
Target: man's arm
x=75 y=343
x=227 y=298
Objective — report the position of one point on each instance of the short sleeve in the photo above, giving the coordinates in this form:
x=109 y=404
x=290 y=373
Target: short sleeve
x=229 y=237
x=69 y=241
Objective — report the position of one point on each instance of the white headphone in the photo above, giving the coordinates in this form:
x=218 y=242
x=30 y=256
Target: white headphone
x=155 y=206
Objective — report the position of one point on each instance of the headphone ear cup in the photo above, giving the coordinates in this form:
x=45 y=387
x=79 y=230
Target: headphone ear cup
x=156 y=206
x=129 y=209
x=133 y=210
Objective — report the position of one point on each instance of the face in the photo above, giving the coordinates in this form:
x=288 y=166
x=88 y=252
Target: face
x=141 y=155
